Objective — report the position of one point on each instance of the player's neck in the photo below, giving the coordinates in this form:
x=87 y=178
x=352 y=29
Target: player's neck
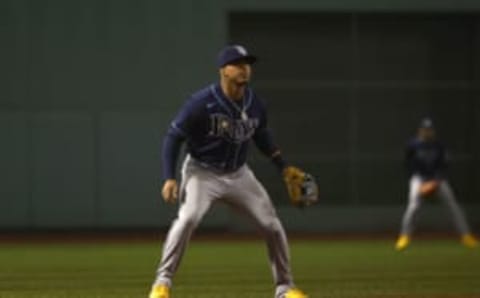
x=232 y=91
x=426 y=139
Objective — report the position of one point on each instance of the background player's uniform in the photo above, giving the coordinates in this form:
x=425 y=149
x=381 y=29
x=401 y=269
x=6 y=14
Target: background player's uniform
x=217 y=132
x=426 y=161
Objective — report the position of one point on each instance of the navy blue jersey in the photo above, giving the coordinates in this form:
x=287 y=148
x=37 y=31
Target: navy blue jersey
x=217 y=130
x=426 y=158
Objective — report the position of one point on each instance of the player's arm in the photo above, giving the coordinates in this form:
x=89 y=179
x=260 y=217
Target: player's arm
x=264 y=142
x=302 y=188
x=170 y=152
x=180 y=129
x=429 y=187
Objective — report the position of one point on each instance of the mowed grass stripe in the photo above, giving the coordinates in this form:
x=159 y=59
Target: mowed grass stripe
x=334 y=269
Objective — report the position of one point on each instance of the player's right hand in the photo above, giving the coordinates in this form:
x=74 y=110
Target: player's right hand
x=170 y=191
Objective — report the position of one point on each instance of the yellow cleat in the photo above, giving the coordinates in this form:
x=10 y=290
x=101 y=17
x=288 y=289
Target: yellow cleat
x=295 y=293
x=159 y=291
x=402 y=242
x=469 y=241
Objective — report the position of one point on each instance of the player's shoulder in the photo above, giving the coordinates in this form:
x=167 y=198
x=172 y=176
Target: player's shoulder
x=255 y=99
x=253 y=94
x=199 y=98
x=202 y=93
x=414 y=142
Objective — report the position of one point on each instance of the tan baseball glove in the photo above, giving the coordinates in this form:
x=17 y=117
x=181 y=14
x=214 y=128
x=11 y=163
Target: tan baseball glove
x=428 y=188
x=302 y=187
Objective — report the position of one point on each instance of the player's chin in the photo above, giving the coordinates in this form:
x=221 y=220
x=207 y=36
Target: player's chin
x=243 y=81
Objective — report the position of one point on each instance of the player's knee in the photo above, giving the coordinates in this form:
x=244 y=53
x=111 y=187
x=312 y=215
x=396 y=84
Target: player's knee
x=271 y=225
x=412 y=208
x=190 y=222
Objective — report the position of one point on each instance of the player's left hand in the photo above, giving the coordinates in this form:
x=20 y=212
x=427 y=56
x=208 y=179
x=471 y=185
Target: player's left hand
x=302 y=187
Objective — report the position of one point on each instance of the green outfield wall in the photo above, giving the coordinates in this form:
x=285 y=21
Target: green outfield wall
x=87 y=89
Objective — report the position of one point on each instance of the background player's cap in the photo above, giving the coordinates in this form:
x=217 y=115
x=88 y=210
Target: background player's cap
x=233 y=53
x=426 y=123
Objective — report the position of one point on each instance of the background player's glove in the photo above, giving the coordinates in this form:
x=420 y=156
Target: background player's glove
x=428 y=188
x=302 y=187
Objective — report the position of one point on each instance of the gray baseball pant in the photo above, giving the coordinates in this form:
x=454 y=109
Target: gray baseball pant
x=200 y=188
x=445 y=192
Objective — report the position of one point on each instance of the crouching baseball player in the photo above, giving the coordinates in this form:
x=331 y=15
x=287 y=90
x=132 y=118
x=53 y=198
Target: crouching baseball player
x=426 y=163
x=217 y=123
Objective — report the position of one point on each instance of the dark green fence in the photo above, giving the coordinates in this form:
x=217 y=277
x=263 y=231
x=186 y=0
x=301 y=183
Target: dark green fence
x=88 y=88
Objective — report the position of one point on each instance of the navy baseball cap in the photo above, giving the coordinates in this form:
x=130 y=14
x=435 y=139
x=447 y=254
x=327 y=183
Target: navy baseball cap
x=233 y=53
x=426 y=123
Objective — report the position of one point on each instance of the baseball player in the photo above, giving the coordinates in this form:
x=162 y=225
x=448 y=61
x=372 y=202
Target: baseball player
x=217 y=124
x=426 y=161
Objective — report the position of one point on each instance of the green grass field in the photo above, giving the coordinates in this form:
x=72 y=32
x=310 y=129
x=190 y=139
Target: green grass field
x=349 y=268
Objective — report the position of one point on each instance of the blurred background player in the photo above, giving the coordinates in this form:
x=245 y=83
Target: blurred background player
x=426 y=161
x=217 y=123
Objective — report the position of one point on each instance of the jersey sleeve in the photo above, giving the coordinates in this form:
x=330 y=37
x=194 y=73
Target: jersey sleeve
x=185 y=121
x=180 y=129
x=263 y=137
x=170 y=152
x=264 y=141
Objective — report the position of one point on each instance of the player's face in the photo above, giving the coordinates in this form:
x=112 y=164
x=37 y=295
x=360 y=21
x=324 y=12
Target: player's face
x=426 y=133
x=238 y=72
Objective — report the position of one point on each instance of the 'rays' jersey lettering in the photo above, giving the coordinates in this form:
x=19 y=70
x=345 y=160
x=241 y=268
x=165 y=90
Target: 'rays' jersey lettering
x=234 y=130
x=218 y=130
x=426 y=158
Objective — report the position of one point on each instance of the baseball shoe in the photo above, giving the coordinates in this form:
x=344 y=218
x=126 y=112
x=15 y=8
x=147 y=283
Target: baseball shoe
x=159 y=291
x=469 y=241
x=295 y=293
x=402 y=242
